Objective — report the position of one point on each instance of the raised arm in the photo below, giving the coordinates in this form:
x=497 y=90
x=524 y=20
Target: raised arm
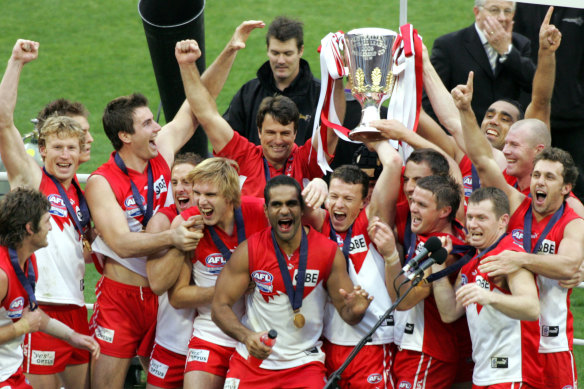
x=110 y=221
x=545 y=73
x=478 y=147
x=183 y=126
x=21 y=167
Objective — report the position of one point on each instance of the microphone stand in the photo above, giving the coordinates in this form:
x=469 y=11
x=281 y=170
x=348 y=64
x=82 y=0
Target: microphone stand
x=334 y=378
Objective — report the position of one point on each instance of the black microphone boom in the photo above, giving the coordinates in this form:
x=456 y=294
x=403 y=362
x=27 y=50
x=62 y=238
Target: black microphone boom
x=432 y=244
x=438 y=256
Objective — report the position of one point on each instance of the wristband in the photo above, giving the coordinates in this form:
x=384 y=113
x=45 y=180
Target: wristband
x=57 y=329
x=393 y=259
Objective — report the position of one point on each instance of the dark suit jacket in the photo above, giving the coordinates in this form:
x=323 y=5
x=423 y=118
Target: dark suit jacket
x=455 y=54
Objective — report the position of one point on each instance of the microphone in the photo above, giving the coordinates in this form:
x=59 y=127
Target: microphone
x=432 y=244
x=439 y=256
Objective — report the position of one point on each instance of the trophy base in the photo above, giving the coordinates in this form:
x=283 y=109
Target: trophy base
x=366 y=134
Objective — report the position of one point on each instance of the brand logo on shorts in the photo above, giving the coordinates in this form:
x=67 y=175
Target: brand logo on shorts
x=263 y=280
x=499 y=363
x=132 y=208
x=409 y=329
x=404 y=385
x=517 y=235
x=157 y=368
x=42 y=358
x=215 y=263
x=104 y=334
x=550 y=331
x=197 y=355
x=15 y=308
x=58 y=207
x=374 y=378
x=231 y=383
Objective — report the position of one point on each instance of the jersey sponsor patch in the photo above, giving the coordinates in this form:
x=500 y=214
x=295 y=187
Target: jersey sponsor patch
x=198 y=355
x=15 y=308
x=160 y=186
x=480 y=281
x=231 y=383
x=547 y=247
x=157 y=368
x=499 y=363
x=105 y=334
x=358 y=244
x=58 y=207
x=214 y=263
x=310 y=278
x=263 y=280
x=374 y=378
x=42 y=358
x=388 y=322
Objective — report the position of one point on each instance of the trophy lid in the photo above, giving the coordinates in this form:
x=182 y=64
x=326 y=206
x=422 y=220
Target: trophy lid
x=372 y=31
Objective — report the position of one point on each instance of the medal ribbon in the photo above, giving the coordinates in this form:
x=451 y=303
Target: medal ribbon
x=409 y=239
x=84 y=209
x=136 y=193
x=267 y=169
x=27 y=281
x=476 y=182
x=346 y=243
x=294 y=294
x=225 y=252
x=527 y=219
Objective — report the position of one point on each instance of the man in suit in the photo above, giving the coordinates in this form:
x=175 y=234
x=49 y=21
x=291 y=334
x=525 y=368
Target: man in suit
x=499 y=58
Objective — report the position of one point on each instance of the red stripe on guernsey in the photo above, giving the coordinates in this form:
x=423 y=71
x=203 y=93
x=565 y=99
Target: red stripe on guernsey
x=409 y=35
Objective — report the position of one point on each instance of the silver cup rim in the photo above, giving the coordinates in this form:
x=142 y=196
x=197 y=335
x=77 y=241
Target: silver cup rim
x=372 y=31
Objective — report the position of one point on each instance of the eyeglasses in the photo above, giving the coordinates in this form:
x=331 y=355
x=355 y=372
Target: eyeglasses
x=496 y=11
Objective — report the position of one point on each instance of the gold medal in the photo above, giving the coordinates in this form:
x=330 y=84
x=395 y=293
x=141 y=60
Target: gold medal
x=87 y=245
x=299 y=320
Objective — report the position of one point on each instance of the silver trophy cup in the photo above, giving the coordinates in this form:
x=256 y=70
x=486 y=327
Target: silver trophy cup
x=369 y=57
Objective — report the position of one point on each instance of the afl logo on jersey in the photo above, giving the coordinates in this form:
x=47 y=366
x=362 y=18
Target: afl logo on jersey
x=463 y=279
x=374 y=378
x=517 y=235
x=215 y=263
x=16 y=307
x=263 y=280
x=467 y=184
x=58 y=207
x=132 y=208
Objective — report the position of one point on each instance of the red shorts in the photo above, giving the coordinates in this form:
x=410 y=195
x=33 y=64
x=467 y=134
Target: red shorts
x=16 y=381
x=421 y=371
x=559 y=370
x=370 y=369
x=45 y=354
x=506 y=385
x=124 y=319
x=208 y=357
x=166 y=369
x=242 y=375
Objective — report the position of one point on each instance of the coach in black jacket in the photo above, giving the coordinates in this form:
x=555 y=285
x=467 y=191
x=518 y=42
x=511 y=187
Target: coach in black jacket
x=508 y=71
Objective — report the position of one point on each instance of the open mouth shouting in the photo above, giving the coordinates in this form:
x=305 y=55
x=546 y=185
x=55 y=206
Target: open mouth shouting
x=183 y=201
x=285 y=224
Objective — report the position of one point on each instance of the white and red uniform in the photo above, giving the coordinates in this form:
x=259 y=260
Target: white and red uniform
x=11 y=308
x=367 y=268
x=173 y=331
x=465 y=166
x=59 y=290
x=113 y=322
x=301 y=164
x=268 y=307
x=207 y=264
x=504 y=349
x=556 y=320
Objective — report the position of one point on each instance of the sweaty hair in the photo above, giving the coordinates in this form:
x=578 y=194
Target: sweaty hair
x=283 y=180
x=221 y=172
x=187 y=157
x=118 y=116
x=281 y=108
x=554 y=154
x=446 y=191
x=435 y=161
x=351 y=174
x=497 y=197
x=61 y=107
x=283 y=29
x=63 y=127
x=17 y=208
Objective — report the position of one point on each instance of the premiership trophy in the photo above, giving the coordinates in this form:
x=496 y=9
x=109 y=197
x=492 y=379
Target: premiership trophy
x=369 y=57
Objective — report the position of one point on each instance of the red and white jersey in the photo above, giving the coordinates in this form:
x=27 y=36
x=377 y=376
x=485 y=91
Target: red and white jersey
x=208 y=263
x=301 y=164
x=120 y=184
x=11 y=308
x=465 y=166
x=424 y=330
x=556 y=320
x=503 y=349
x=61 y=262
x=173 y=326
x=268 y=306
x=366 y=268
